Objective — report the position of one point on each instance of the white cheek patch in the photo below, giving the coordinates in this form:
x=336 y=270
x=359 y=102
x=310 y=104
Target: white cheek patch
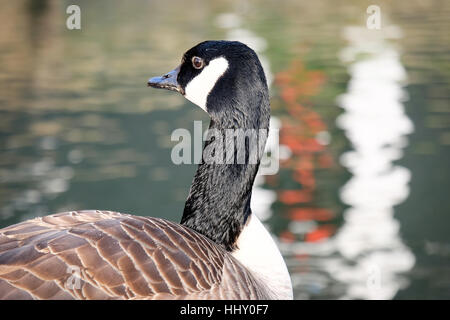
x=198 y=89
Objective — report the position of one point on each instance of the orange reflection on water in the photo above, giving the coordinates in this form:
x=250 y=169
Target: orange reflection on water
x=301 y=128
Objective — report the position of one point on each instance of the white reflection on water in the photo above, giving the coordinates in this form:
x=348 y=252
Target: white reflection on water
x=376 y=124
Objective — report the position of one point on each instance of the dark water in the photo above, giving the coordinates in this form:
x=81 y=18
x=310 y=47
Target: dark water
x=360 y=204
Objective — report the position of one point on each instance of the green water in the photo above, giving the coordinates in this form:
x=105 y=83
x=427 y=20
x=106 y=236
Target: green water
x=79 y=129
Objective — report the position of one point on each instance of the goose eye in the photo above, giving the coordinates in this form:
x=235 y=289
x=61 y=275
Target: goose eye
x=197 y=62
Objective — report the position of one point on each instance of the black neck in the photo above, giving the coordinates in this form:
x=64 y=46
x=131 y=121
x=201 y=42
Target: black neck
x=218 y=204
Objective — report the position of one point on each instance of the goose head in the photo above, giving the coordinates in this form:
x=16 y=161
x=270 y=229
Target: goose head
x=225 y=79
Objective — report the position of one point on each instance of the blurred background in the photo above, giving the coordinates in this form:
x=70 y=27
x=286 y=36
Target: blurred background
x=360 y=206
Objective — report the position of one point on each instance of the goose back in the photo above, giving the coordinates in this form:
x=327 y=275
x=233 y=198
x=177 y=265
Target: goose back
x=109 y=255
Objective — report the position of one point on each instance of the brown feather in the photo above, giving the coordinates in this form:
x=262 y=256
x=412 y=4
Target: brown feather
x=108 y=255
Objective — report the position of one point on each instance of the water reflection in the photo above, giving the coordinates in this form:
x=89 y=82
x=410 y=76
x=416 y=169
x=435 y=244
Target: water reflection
x=308 y=182
x=377 y=126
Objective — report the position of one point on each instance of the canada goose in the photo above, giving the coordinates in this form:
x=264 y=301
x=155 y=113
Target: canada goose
x=219 y=251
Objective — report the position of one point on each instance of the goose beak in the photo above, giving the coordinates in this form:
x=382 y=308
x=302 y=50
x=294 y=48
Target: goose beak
x=167 y=81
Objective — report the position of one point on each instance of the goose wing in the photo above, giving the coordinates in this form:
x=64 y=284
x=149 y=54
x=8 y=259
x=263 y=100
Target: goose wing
x=109 y=255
